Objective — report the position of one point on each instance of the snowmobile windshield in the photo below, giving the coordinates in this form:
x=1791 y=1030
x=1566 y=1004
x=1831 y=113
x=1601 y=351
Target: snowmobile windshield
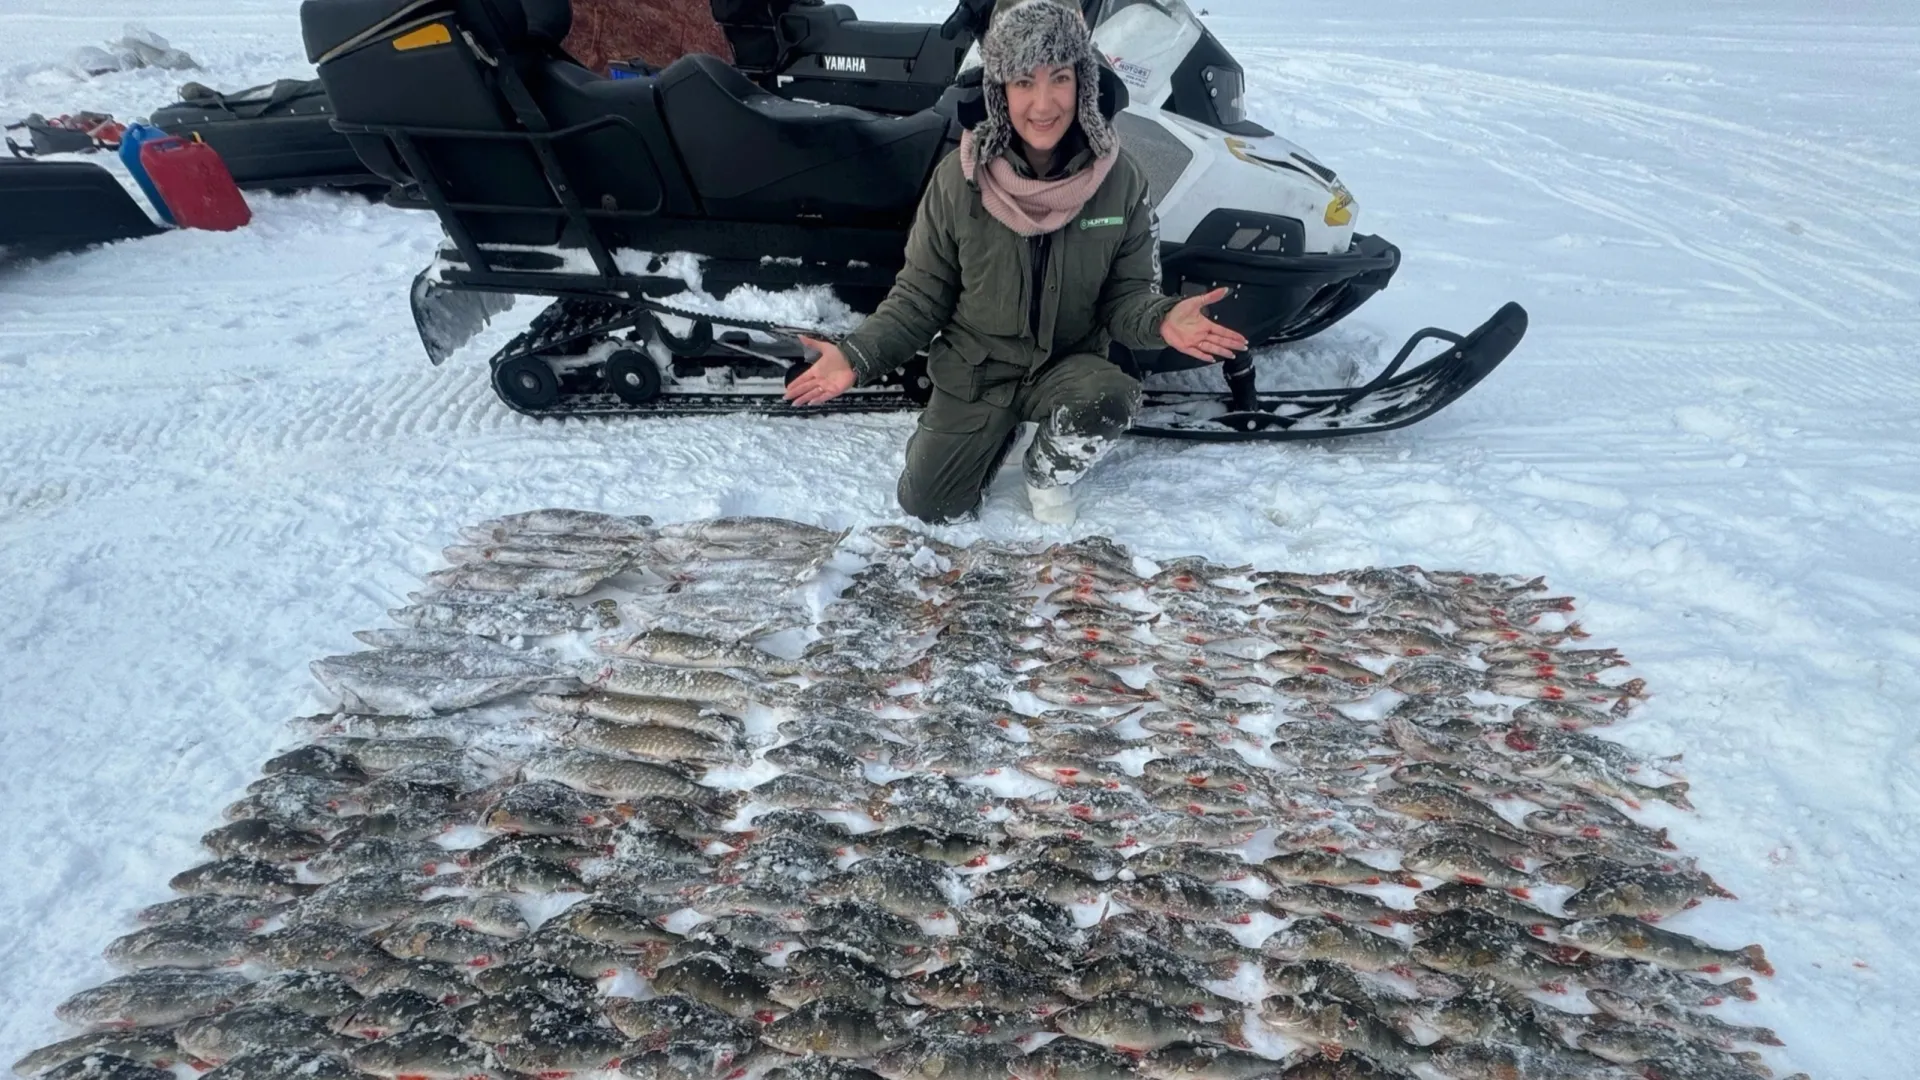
x=1168 y=57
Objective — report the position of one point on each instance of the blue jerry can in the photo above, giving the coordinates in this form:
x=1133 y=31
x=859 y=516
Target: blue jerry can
x=130 y=143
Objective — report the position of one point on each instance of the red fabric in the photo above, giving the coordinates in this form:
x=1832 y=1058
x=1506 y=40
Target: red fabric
x=656 y=31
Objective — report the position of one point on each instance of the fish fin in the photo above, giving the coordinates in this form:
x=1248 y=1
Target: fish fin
x=1233 y=1030
x=1755 y=959
x=728 y=803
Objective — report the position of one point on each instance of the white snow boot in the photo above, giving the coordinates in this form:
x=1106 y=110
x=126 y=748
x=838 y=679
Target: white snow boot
x=1052 y=505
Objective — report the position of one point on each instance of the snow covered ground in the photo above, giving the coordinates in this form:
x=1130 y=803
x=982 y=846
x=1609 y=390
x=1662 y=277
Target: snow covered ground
x=223 y=453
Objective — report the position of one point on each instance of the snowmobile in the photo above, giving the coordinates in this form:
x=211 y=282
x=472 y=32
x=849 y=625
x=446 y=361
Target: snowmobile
x=552 y=181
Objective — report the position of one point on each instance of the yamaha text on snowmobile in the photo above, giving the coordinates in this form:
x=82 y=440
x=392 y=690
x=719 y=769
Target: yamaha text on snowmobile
x=556 y=182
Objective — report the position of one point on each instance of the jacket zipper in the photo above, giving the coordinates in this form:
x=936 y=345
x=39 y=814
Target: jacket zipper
x=1039 y=249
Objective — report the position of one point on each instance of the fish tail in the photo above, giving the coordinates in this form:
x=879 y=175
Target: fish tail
x=1741 y=988
x=1754 y=958
x=1575 y=630
x=1716 y=889
x=1674 y=794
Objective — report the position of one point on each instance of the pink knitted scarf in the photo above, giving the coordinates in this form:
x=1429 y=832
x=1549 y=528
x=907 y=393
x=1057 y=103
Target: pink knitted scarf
x=1027 y=206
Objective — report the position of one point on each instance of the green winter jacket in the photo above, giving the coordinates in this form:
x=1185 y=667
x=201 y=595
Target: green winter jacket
x=972 y=281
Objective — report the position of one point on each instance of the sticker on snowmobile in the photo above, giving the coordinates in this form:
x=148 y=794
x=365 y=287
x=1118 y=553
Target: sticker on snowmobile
x=1101 y=222
x=1135 y=75
x=854 y=64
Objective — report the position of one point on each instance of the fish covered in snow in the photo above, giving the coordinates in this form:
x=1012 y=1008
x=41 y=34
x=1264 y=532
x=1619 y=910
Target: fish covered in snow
x=909 y=810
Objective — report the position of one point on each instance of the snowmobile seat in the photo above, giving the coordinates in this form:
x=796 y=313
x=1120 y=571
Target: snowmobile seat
x=824 y=52
x=472 y=109
x=755 y=156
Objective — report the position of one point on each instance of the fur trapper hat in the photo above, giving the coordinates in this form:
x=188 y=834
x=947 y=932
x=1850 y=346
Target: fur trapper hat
x=1027 y=36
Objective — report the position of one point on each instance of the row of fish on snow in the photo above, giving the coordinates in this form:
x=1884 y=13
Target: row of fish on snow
x=625 y=799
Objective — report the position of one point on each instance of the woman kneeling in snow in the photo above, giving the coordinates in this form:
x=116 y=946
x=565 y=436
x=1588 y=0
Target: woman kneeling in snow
x=1035 y=246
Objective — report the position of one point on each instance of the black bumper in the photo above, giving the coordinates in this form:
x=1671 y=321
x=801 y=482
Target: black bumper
x=1277 y=298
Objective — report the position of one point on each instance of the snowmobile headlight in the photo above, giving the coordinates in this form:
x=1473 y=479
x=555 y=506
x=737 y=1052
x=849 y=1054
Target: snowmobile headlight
x=1340 y=210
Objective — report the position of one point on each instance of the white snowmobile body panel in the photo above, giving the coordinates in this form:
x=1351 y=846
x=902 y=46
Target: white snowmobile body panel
x=1145 y=41
x=1242 y=173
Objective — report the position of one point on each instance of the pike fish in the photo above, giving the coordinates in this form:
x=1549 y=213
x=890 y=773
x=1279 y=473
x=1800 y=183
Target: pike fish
x=613 y=777
x=694 y=651
x=649 y=742
x=636 y=678
x=628 y=709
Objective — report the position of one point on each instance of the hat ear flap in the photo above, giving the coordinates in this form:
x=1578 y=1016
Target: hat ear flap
x=994 y=134
x=1093 y=123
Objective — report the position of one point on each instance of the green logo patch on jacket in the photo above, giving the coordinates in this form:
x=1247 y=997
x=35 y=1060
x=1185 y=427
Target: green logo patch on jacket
x=1101 y=222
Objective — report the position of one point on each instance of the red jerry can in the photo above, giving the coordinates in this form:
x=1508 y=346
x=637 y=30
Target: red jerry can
x=195 y=184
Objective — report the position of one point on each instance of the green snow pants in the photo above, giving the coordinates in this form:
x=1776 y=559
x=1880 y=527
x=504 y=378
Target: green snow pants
x=1081 y=402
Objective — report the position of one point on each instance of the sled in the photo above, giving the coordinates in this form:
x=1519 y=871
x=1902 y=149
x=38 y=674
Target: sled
x=277 y=137
x=50 y=206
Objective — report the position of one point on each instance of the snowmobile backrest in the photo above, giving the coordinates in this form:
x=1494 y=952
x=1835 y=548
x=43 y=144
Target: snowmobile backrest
x=613 y=166
x=410 y=66
x=334 y=27
x=519 y=27
x=749 y=26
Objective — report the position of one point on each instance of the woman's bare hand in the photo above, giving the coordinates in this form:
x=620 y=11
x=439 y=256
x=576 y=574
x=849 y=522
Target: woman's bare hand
x=828 y=377
x=1188 y=329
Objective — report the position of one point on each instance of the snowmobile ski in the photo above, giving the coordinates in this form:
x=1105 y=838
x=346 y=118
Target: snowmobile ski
x=1395 y=398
